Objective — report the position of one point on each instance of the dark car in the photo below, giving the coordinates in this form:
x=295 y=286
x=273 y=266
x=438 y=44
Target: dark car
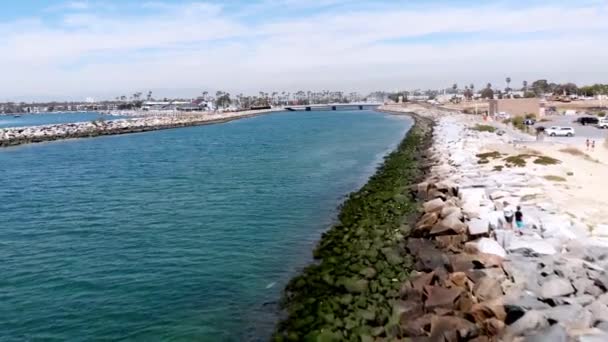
x=587 y=120
x=529 y=122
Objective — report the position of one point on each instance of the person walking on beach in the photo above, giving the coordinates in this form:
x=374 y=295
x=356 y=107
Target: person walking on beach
x=593 y=146
x=587 y=144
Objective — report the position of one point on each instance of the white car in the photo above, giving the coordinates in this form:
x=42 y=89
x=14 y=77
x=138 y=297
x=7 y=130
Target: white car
x=557 y=131
x=603 y=123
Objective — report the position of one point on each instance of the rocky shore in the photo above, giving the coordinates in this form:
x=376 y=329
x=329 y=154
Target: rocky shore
x=478 y=278
x=26 y=135
x=362 y=261
x=437 y=261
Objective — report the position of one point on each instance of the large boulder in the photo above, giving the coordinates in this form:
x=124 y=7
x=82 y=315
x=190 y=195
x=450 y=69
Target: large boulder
x=529 y=322
x=555 y=333
x=571 y=316
x=478 y=227
x=449 y=225
x=490 y=246
x=434 y=205
x=487 y=289
x=530 y=246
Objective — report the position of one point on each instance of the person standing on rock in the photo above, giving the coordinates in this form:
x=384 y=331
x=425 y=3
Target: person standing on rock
x=519 y=218
x=508 y=212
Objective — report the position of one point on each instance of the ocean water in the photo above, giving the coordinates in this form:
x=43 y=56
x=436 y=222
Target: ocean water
x=178 y=235
x=50 y=118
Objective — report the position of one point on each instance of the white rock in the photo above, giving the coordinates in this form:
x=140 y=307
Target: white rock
x=600 y=230
x=479 y=227
x=556 y=287
x=536 y=246
x=499 y=194
x=490 y=246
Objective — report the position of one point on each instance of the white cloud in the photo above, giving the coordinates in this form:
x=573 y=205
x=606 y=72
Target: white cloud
x=202 y=45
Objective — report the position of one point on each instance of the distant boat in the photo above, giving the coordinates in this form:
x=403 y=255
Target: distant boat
x=17 y=116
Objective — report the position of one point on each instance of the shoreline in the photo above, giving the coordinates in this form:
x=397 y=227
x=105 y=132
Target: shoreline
x=16 y=136
x=359 y=258
x=482 y=277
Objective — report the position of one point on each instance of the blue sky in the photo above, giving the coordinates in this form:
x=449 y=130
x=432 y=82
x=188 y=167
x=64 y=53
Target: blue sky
x=106 y=48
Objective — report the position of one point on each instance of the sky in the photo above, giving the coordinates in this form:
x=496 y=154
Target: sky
x=107 y=48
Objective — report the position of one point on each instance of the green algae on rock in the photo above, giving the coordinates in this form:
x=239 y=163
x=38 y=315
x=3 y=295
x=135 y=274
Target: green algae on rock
x=350 y=292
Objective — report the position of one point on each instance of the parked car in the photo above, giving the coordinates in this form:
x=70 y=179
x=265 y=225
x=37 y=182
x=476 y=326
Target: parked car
x=603 y=123
x=587 y=120
x=557 y=131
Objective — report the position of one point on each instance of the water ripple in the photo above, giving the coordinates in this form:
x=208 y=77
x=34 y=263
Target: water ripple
x=177 y=234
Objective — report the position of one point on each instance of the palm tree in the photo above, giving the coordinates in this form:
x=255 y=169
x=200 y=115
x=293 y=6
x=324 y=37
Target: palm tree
x=454 y=87
x=525 y=83
x=508 y=79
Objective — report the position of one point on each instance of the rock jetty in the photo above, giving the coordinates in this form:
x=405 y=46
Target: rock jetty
x=25 y=135
x=479 y=279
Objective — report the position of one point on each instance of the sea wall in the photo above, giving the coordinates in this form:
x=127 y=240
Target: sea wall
x=26 y=135
x=362 y=260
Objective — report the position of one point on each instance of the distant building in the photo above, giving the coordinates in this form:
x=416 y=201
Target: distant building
x=516 y=107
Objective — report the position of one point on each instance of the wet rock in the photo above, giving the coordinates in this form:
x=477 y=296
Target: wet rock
x=430 y=259
x=556 y=287
x=422 y=190
x=420 y=326
x=451 y=329
x=439 y=297
x=421 y=280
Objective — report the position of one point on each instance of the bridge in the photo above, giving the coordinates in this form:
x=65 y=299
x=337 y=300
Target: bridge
x=334 y=106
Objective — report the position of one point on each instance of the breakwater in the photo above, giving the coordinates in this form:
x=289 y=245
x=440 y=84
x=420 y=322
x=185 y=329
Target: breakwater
x=362 y=260
x=26 y=135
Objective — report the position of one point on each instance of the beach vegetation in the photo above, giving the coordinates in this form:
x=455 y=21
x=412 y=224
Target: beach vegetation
x=544 y=160
x=484 y=128
x=519 y=160
x=361 y=261
x=601 y=114
x=554 y=178
x=493 y=155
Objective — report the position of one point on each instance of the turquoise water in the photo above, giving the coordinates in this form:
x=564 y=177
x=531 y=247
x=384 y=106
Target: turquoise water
x=50 y=118
x=178 y=235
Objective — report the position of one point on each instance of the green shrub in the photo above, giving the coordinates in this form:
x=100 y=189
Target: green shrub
x=484 y=128
x=544 y=160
